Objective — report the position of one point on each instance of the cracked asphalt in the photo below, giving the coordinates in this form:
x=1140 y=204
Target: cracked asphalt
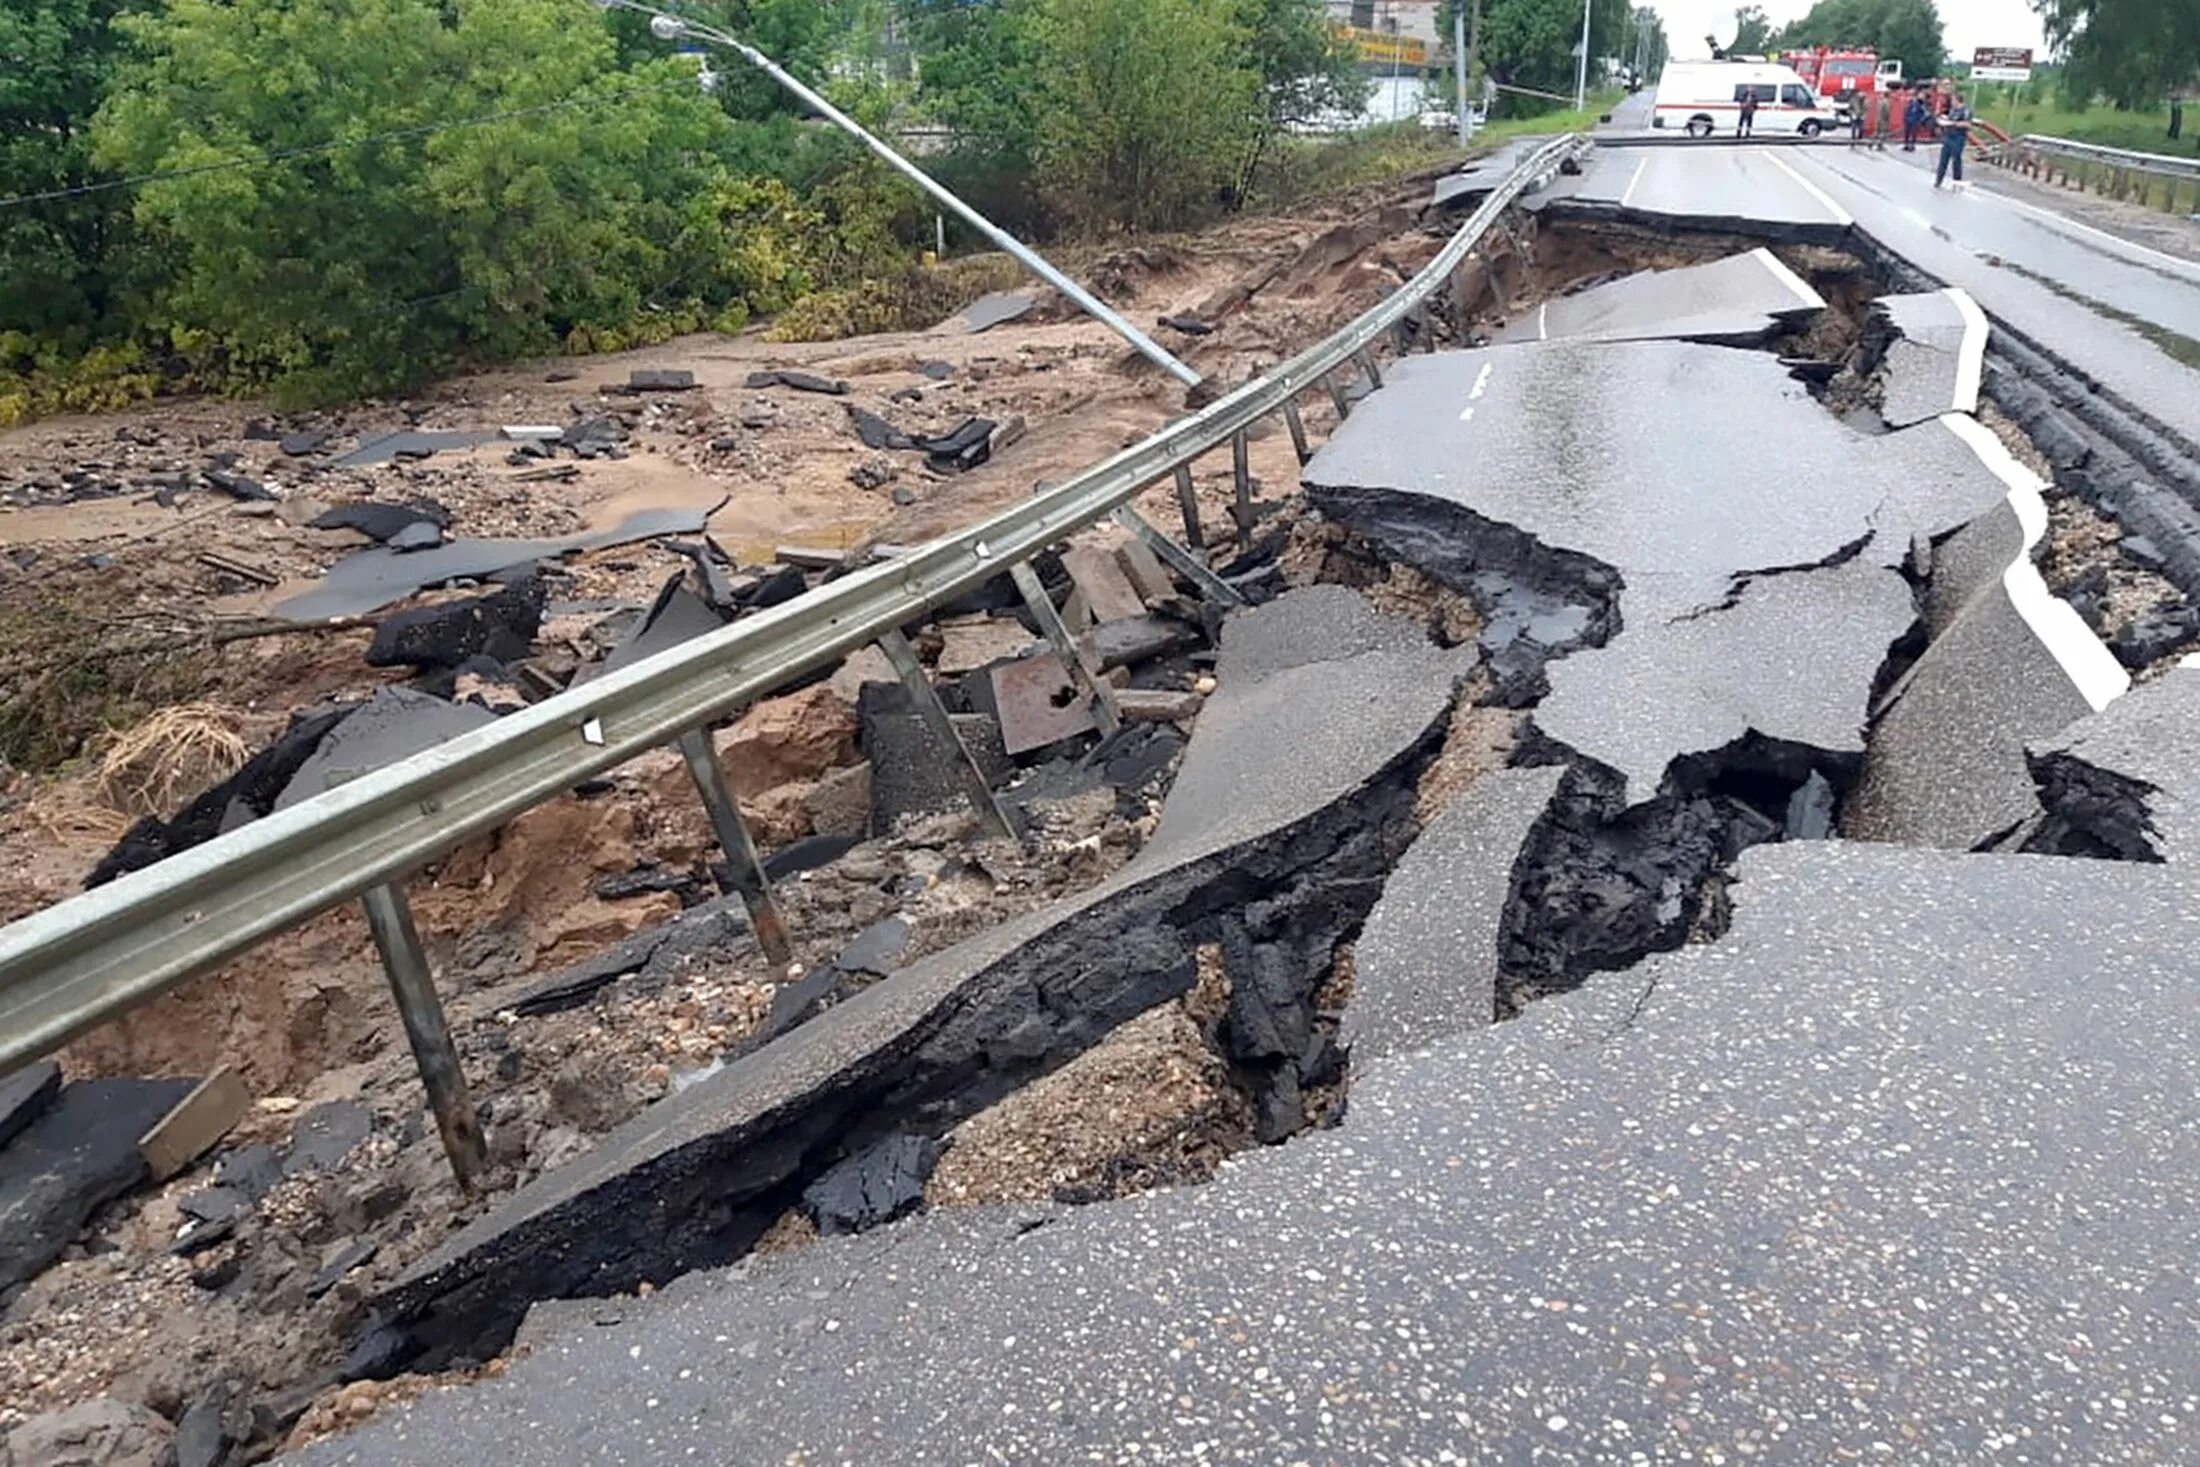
x=1902 y=1167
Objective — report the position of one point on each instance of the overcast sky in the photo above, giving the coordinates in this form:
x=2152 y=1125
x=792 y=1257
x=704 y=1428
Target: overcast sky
x=1967 y=24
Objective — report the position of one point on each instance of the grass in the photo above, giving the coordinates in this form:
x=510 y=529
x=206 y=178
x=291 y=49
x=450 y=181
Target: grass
x=2143 y=132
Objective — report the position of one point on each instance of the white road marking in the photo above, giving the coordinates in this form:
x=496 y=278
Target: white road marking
x=1840 y=215
x=1474 y=393
x=2092 y=669
x=1628 y=196
x=1971 y=356
x=1543 y=322
x=1811 y=299
x=2064 y=221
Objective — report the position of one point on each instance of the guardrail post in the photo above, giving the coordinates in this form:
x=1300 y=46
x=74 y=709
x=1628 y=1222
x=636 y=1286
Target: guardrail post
x=389 y=918
x=1187 y=504
x=1428 y=329
x=935 y=716
x=1366 y=359
x=1297 y=425
x=1241 y=478
x=744 y=868
x=1075 y=658
x=1336 y=395
x=1212 y=588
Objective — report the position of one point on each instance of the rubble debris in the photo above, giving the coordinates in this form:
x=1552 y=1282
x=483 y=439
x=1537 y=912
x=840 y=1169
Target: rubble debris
x=372 y=579
x=532 y=433
x=81 y=1152
x=883 y=1182
x=325 y=1136
x=878 y=949
x=660 y=379
x=1158 y=705
x=604 y=436
x=25 y=1095
x=203 y=1435
x=1039 y=703
x=1099 y=578
x=810 y=557
x=678 y=615
x=240 y=488
x=776 y=589
x=1135 y=639
x=938 y=371
x=197 y=1124
x=1426 y=963
x=969 y=643
x=246 y=795
x=408 y=444
x=501 y=625
x=346 y=1258
x=1187 y=325
x=910 y=773
x=1283 y=851
x=653 y=955
x=995 y=308
x=2124 y=783
x=379 y=522
x=102 y=1432
x=1148 y=577
x=799 y=381
x=300 y=445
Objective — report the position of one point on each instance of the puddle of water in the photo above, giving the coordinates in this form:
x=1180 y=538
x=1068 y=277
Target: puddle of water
x=2173 y=344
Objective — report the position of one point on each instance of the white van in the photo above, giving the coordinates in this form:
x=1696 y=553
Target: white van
x=1705 y=97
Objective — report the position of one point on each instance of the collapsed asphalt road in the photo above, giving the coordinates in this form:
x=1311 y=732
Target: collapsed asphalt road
x=1791 y=1147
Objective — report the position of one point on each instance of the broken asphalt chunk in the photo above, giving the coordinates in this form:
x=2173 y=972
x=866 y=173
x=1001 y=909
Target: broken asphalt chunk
x=380 y=522
x=2124 y=782
x=78 y=1154
x=660 y=379
x=798 y=380
x=25 y=1095
x=393 y=725
x=873 y=1187
x=500 y=625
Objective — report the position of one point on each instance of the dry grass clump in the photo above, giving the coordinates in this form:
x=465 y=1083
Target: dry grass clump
x=172 y=755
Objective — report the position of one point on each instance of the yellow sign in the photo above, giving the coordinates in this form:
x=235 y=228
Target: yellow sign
x=1382 y=46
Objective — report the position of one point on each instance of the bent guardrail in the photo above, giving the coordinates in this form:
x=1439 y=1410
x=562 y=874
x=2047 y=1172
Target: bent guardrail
x=96 y=956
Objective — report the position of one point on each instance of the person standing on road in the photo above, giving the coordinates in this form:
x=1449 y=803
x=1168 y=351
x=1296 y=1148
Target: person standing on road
x=1955 y=132
x=1749 y=112
x=1913 y=123
x=1856 y=118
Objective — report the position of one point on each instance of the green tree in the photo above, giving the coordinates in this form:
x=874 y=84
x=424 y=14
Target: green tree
x=1904 y=30
x=1530 y=43
x=55 y=60
x=1142 y=107
x=2133 y=52
x=1306 y=70
x=449 y=181
x=1752 y=31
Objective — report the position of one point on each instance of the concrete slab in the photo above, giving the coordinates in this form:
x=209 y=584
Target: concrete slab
x=2008 y=663
x=1740 y=301
x=1792 y=659
x=1915 y=1108
x=1425 y=965
x=1935 y=360
x=409 y=443
x=1500 y=435
x=2127 y=779
x=1307 y=768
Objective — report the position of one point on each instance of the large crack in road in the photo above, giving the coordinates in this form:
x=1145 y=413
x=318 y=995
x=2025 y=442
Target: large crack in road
x=1769 y=1175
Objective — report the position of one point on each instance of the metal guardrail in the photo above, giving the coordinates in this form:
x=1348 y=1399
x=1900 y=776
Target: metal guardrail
x=96 y=956
x=2117 y=172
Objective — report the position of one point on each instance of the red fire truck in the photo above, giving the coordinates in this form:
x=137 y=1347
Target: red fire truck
x=1850 y=76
